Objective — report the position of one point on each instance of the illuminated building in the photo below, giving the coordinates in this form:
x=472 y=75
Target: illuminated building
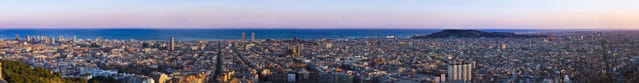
x=295 y=51
x=503 y=46
x=172 y=43
x=189 y=78
x=460 y=73
x=160 y=77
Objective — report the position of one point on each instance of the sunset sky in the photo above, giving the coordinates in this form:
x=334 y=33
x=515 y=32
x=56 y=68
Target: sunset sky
x=410 y=14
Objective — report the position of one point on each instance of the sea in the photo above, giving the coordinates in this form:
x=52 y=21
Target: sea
x=225 y=34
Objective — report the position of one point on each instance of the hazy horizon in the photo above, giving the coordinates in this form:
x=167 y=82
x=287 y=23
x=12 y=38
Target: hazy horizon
x=325 y=14
x=257 y=28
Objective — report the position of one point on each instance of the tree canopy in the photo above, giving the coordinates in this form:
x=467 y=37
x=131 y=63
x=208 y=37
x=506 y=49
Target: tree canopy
x=18 y=72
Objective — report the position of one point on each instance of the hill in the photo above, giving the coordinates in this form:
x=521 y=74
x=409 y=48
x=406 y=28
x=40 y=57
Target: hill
x=454 y=33
x=18 y=72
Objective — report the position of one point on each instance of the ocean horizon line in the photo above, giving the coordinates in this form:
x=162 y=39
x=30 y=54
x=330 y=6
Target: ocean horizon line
x=234 y=34
x=481 y=29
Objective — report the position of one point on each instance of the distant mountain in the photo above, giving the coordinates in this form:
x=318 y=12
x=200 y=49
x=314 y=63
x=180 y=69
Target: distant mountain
x=456 y=33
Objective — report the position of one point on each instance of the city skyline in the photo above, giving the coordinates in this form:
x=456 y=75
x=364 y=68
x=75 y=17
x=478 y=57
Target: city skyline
x=447 y=56
x=319 y=41
x=325 y=14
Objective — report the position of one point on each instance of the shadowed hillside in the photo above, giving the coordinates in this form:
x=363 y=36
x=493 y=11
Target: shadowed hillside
x=18 y=72
x=454 y=33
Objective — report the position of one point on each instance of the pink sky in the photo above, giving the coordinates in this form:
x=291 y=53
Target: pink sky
x=474 y=14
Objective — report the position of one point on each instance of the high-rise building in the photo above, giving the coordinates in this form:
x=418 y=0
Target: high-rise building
x=75 y=38
x=28 y=38
x=172 y=43
x=460 y=73
x=252 y=36
x=52 y=40
x=98 y=40
x=243 y=35
x=44 y=38
x=17 y=37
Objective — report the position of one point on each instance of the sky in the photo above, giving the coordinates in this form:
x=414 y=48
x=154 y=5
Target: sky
x=312 y=14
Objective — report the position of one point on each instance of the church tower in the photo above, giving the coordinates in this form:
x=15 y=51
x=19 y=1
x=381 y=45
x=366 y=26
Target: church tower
x=172 y=42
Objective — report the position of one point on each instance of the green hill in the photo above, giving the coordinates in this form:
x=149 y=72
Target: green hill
x=18 y=72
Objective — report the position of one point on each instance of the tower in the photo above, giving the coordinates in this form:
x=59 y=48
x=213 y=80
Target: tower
x=17 y=37
x=172 y=42
x=75 y=38
x=98 y=40
x=293 y=51
x=52 y=40
x=252 y=36
x=297 y=45
x=28 y=38
x=243 y=35
x=44 y=38
x=61 y=38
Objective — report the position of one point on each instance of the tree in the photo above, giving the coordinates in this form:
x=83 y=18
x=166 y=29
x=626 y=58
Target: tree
x=17 y=72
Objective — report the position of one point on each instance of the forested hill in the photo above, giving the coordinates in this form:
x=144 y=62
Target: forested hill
x=18 y=72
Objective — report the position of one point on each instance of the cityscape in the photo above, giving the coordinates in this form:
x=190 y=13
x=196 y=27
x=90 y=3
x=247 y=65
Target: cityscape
x=319 y=41
x=558 y=57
